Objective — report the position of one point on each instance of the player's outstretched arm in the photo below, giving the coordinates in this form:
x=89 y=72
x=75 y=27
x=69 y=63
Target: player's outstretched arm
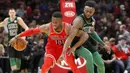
x=29 y=32
x=96 y=37
x=4 y=23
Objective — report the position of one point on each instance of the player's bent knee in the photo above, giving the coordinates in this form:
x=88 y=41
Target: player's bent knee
x=48 y=61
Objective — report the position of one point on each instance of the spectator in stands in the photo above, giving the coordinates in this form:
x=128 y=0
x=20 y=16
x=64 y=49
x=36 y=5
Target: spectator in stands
x=108 y=58
x=20 y=11
x=123 y=32
x=112 y=42
x=122 y=52
x=38 y=52
x=105 y=38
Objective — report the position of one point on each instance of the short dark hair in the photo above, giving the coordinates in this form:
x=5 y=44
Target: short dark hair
x=57 y=14
x=90 y=3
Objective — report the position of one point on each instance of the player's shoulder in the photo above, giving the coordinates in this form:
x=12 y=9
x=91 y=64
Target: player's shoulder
x=19 y=18
x=67 y=25
x=48 y=24
x=77 y=22
x=6 y=19
x=45 y=26
x=78 y=19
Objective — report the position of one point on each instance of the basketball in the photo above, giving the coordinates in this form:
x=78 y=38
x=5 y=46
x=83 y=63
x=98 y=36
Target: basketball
x=19 y=44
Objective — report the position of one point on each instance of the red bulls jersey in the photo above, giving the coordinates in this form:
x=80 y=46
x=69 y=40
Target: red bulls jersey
x=56 y=39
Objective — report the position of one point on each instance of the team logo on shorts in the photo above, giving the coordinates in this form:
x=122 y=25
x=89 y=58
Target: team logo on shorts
x=69 y=13
x=80 y=62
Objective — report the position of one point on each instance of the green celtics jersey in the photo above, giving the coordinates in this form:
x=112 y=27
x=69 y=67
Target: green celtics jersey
x=13 y=28
x=87 y=24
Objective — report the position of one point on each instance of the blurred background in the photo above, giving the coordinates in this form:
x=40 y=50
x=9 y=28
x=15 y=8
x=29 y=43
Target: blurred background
x=112 y=24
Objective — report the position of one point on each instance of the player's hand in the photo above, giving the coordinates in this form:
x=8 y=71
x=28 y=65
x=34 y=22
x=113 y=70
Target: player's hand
x=17 y=36
x=62 y=57
x=72 y=50
x=12 y=41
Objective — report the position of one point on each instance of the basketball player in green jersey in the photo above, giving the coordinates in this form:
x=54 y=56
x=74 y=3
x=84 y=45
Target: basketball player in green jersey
x=88 y=51
x=15 y=25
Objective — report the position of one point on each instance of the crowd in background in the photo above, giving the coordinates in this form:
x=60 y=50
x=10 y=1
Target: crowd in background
x=112 y=24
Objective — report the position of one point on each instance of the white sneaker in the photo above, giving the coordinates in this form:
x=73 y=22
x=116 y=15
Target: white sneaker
x=125 y=71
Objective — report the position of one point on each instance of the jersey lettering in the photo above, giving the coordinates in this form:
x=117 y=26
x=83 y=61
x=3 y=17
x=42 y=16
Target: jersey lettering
x=60 y=42
x=87 y=29
x=13 y=29
x=13 y=32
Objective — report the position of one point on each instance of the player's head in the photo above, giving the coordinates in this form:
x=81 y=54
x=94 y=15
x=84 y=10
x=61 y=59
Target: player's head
x=56 y=20
x=12 y=12
x=89 y=8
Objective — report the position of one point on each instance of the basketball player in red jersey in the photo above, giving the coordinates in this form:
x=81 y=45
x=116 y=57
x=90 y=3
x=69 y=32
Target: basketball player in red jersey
x=57 y=32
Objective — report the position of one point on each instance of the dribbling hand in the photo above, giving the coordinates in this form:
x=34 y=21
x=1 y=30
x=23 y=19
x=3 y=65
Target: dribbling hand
x=62 y=57
x=72 y=50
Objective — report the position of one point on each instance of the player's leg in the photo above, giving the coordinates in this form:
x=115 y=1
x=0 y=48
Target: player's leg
x=18 y=63
x=18 y=55
x=99 y=62
x=12 y=58
x=86 y=54
x=13 y=63
x=48 y=62
x=91 y=45
x=71 y=62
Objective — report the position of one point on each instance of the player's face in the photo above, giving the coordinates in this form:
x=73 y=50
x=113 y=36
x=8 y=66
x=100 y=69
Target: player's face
x=88 y=11
x=12 y=13
x=56 y=22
